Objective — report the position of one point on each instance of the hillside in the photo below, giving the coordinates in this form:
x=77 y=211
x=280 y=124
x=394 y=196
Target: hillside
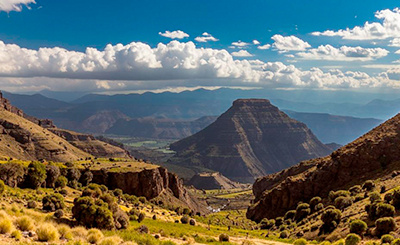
x=374 y=155
x=249 y=140
x=22 y=139
x=213 y=181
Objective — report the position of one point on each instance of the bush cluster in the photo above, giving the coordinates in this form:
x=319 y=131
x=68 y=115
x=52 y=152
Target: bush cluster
x=53 y=202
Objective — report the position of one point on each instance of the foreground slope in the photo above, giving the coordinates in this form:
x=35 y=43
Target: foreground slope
x=25 y=140
x=251 y=139
x=371 y=156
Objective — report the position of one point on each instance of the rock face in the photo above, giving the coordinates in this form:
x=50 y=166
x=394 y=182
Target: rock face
x=90 y=144
x=150 y=183
x=212 y=181
x=371 y=156
x=253 y=138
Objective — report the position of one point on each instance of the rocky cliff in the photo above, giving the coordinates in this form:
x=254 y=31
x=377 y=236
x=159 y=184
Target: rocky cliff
x=213 y=181
x=150 y=183
x=251 y=139
x=371 y=156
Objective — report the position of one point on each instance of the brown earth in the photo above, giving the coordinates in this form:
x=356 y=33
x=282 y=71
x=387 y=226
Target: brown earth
x=372 y=156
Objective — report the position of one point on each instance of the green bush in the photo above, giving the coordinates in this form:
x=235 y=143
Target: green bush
x=302 y=211
x=396 y=241
x=352 y=239
x=355 y=190
x=379 y=210
x=47 y=233
x=16 y=234
x=94 y=236
x=335 y=194
x=61 y=182
x=36 y=175
x=112 y=240
x=374 y=197
x=300 y=241
x=314 y=202
x=331 y=218
x=278 y=221
x=59 y=214
x=343 y=202
x=52 y=174
x=387 y=239
x=185 y=219
x=118 y=192
x=73 y=175
x=396 y=198
x=25 y=223
x=319 y=207
x=358 y=227
x=92 y=214
x=141 y=217
x=385 y=225
x=290 y=215
x=121 y=219
x=192 y=222
x=388 y=197
x=53 y=202
x=267 y=224
x=284 y=234
x=2 y=187
x=86 y=177
x=6 y=225
x=12 y=173
x=224 y=238
x=368 y=185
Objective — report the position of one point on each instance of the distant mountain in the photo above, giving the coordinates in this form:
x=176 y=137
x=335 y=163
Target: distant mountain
x=251 y=139
x=157 y=128
x=331 y=128
x=374 y=156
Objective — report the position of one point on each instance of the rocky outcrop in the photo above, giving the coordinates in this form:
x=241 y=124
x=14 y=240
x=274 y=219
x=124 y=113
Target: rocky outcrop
x=371 y=156
x=150 y=183
x=90 y=144
x=6 y=105
x=253 y=138
x=213 y=181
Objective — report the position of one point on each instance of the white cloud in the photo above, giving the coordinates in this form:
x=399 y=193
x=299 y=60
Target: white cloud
x=397 y=52
x=176 y=64
x=344 y=53
x=395 y=42
x=174 y=34
x=388 y=28
x=240 y=44
x=263 y=47
x=242 y=53
x=206 y=37
x=256 y=42
x=14 y=5
x=289 y=43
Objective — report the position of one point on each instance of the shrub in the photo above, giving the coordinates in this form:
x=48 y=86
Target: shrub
x=339 y=242
x=343 y=202
x=47 y=233
x=374 y=197
x=25 y=223
x=302 y=211
x=53 y=202
x=59 y=214
x=267 y=224
x=368 y=185
x=94 y=236
x=92 y=213
x=2 y=187
x=358 y=227
x=284 y=234
x=79 y=232
x=385 y=225
x=118 y=192
x=352 y=239
x=290 y=215
x=86 y=177
x=121 y=219
x=36 y=174
x=396 y=198
x=141 y=217
x=319 y=206
x=32 y=204
x=355 y=190
x=314 y=202
x=396 y=241
x=16 y=234
x=192 y=222
x=73 y=175
x=12 y=173
x=6 y=225
x=61 y=182
x=387 y=239
x=143 y=229
x=113 y=240
x=52 y=174
x=65 y=232
x=278 y=221
x=300 y=241
x=388 y=197
x=142 y=199
x=331 y=218
x=383 y=189
x=379 y=210
x=335 y=194
x=185 y=219
x=223 y=238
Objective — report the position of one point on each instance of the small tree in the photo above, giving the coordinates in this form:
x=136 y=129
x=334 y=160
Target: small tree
x=343 y=202
x=385 y=225
x=302 y=211
x=53 y=202
x=331 y=218
x=290 y=215
x=12 y=173
x=358 y=227
x=352 y=239
x=52 y=173
x=314 y=202
x=368 y=185
x=36 y=174
x=92 y=214
x=2 y=187
x=61 y=182
x=86 y=177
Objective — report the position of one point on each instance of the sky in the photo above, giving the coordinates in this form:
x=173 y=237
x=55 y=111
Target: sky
x=127 y=45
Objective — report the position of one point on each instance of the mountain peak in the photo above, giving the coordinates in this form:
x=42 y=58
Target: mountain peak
x=250 y=102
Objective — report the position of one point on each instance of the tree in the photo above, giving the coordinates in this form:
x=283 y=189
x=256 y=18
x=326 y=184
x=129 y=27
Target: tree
x=358 y=227
x=331 y=218
x=53 y=202
x=385 y=225
x=92 y=214
x=52 y=173
x=36 y=175
x=86 y=177
x=12 y=173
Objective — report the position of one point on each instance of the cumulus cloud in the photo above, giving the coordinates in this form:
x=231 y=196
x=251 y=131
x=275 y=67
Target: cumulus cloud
x=174 y=34
x=138 y=66
x=389 y=27
x=344 y=53
x=264 y=47
x=289 y=43
x=240 y=44
x=242 y=53
x=206 y=37
x=14 y=5
x=256 y=42
x=395 y=42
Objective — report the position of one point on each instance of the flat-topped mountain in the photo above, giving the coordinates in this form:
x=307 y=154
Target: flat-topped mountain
x=374 y=155
x=251 y=139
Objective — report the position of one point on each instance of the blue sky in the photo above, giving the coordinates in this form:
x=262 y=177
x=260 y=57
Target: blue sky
x=294 y=55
